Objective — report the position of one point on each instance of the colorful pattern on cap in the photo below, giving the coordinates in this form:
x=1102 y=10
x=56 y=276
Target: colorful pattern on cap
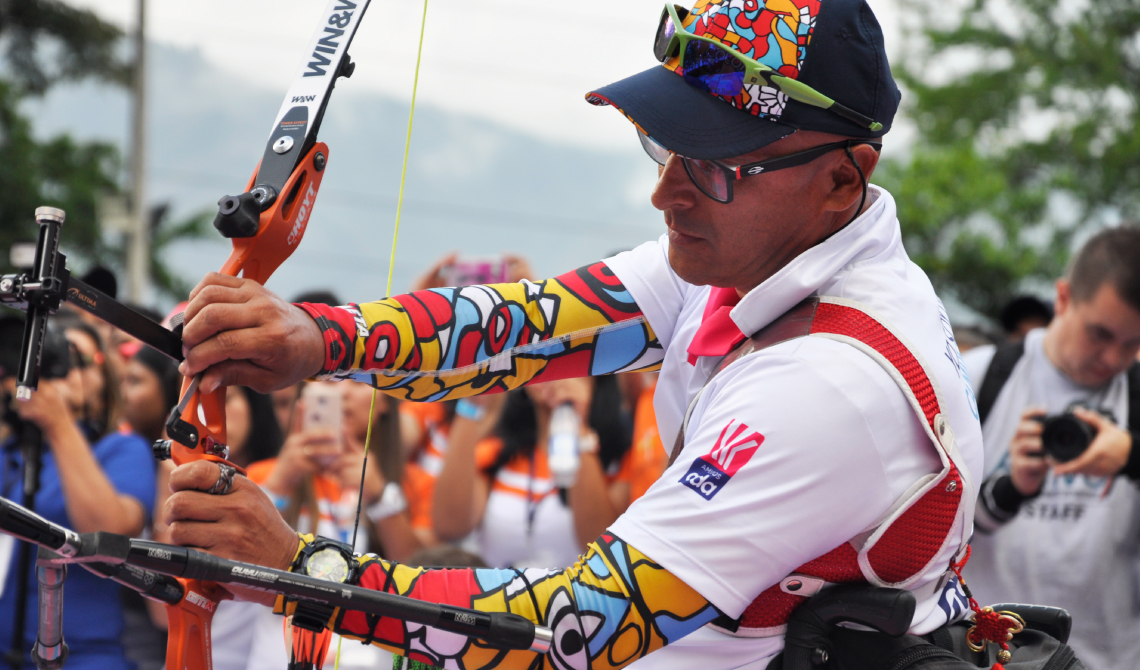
x=773 y=32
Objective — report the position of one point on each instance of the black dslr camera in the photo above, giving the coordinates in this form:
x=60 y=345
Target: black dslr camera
x=55 y=362
x=1065 y=436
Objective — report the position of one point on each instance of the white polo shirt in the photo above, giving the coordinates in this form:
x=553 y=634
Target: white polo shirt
x=840 y=443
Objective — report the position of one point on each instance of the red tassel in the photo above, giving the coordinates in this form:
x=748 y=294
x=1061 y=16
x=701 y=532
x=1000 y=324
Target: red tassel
x=989 y=626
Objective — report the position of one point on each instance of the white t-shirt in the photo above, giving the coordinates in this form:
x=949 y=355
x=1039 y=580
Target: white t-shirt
x=1074 y=546
x=525 y=523
x=840 y=441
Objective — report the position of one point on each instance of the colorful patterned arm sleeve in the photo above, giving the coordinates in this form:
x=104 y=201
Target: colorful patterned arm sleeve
x=611 y=608
x=454 y=342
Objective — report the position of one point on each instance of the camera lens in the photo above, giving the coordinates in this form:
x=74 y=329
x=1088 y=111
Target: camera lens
x=1065 y=437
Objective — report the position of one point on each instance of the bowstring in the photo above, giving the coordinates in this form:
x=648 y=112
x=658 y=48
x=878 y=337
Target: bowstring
x=388 y=289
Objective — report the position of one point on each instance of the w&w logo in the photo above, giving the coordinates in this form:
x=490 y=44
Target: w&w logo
x=735 y=446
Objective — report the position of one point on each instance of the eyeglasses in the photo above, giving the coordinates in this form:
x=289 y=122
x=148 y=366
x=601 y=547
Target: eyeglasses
x=716 y=68
x=715 y=179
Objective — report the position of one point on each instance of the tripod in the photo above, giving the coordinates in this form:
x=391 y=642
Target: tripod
x=31 y=450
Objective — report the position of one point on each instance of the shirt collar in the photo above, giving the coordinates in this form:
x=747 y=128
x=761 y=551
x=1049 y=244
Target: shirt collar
x=872 y=233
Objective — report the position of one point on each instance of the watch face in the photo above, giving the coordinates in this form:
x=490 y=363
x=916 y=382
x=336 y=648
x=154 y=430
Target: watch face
x=328 y=564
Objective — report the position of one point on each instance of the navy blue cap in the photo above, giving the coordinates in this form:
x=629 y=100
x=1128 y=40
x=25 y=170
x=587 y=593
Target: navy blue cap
x=837 y=46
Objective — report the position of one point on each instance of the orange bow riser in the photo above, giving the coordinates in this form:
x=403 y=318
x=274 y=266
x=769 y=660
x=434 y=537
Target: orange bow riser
x=280 y=230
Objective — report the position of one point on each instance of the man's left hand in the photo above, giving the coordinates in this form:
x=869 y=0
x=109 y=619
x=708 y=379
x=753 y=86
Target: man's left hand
x=242 y=525
x=1107 y=454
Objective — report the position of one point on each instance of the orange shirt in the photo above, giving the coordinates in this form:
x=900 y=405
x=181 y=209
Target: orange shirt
x=649 y=457
x=336 y=507
x=424 y=467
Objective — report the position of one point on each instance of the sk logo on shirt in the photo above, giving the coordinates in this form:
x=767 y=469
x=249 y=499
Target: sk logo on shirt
x=708 y=474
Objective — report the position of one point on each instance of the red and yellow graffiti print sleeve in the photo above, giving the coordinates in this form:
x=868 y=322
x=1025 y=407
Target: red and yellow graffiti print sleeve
x=453 y=342
x=612 y=607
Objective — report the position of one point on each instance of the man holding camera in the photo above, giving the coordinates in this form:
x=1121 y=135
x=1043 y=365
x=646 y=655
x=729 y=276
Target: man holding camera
x=1059 y=415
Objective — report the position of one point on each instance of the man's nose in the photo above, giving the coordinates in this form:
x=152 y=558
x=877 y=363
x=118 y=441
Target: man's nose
x=1117 y=358
x=674 y=189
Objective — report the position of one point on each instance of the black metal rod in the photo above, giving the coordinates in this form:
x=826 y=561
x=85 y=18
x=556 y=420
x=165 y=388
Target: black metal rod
x=502 y=630
x=124 y=318
x=161 y=588
x=31 y=527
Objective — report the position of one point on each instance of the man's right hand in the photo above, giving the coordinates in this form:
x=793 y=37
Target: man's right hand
x=241 y=334
x=1028 y=466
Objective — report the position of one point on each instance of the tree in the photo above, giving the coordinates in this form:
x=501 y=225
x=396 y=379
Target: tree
x=46 y=42
x=86 y=44
x=1026 y=112
x=59 y=172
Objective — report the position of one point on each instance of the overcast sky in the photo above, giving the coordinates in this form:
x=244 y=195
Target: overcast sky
x=524 y=63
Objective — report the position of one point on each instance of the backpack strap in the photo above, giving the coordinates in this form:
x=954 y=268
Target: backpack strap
x=1000 y=368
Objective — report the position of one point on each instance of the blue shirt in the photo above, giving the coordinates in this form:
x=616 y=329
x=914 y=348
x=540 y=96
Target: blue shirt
x=92 y=612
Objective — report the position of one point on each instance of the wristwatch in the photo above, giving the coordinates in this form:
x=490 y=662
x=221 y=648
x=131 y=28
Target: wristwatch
x=331 y=561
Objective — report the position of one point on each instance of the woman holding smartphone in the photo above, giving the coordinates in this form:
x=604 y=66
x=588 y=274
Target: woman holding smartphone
x=498 y=485
x=314 y=482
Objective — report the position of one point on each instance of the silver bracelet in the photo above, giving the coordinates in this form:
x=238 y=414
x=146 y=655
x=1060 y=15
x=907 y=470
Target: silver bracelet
x=391 y=503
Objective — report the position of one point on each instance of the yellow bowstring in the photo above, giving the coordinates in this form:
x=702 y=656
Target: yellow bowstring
x=388 y=288
x=407 y=147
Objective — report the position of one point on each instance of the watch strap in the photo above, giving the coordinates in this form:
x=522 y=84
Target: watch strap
x=312 y=615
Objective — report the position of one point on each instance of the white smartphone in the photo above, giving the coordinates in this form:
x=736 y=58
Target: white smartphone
x=323 y=410
x=469 y=271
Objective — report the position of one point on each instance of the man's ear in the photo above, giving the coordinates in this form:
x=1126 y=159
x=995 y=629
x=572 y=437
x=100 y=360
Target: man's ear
x=1064 y=297
x=847 y=186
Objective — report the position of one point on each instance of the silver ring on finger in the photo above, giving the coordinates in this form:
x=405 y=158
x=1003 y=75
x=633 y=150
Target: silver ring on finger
x=225 y=480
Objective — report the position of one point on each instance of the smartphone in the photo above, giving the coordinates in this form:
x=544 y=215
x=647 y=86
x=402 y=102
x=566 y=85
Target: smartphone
x=323 y=411
x=469 y=271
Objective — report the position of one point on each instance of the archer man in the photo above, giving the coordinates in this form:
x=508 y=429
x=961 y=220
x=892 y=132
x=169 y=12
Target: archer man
x=824 y=430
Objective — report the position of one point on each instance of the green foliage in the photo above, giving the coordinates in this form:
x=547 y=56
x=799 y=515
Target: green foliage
x=1026 y=112
x=60 y=173
x=82 y=45
x=46 y=42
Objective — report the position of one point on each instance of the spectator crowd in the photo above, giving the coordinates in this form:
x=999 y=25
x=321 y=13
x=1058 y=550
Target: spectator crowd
x=470 y=482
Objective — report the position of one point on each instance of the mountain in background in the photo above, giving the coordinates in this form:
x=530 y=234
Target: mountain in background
x=472 y=185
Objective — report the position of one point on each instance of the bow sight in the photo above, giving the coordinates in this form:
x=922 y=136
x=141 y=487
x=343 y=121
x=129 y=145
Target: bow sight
x=40 y=291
